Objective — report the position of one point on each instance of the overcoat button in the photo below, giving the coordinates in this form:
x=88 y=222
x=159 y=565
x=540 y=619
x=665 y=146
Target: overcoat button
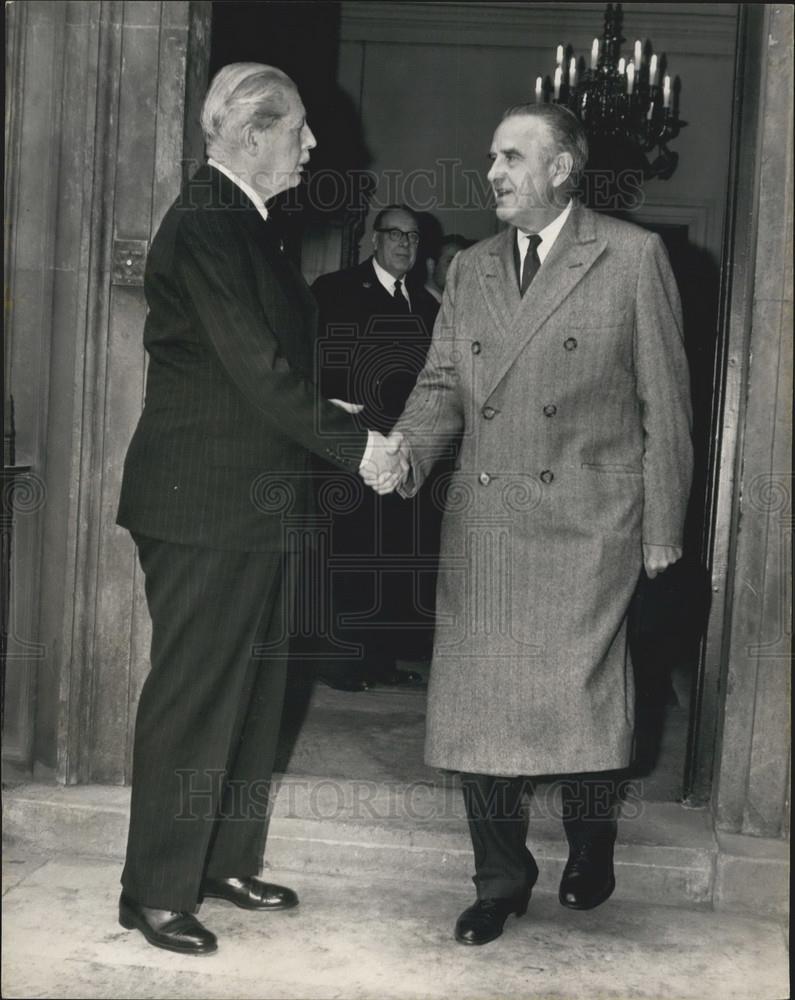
x=484 y=478
x=476 y=347
x=550 y=410
x=570 y=344
x=546 y=476
x=489 y=412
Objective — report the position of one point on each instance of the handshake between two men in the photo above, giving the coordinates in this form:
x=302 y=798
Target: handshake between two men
x=386 y=462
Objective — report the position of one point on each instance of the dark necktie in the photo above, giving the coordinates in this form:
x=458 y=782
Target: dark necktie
x=532 y=262
x=400 y=299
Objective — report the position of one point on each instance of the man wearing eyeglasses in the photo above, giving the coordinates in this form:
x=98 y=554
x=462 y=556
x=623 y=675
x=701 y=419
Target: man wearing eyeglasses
x=375 y=328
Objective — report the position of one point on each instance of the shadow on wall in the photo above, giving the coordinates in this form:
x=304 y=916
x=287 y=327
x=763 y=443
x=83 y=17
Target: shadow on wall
x=303 y=40
x=669 y=613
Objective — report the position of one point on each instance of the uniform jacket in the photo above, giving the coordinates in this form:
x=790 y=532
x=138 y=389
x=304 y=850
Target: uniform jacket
x=574 y=407
x=221 y=452
x=370 y=352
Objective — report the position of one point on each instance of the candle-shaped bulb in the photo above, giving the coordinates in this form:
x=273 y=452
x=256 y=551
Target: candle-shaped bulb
x=630 y=78
x=558 y=81
x=559 y=56
x=638 y=53
x=653 y=71
x=572 y=72
x=650 y=112
x=539 y=89
x=622 y=65
x=594 y=53
x=666 y=91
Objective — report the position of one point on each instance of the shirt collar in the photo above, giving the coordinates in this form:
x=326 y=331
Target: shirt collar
x=548 y=234
x=388 y=280
x=247 y=190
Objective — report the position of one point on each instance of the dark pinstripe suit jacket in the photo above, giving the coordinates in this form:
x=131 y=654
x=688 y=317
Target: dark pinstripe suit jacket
x=221 y=452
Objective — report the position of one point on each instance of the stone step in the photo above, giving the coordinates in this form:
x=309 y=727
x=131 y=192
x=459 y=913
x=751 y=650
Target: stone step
x=666 y=853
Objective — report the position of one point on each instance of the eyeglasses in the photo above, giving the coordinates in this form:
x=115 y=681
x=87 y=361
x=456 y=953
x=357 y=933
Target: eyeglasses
x=396 y=235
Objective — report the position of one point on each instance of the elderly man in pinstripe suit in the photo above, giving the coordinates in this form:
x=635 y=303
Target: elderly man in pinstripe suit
x=558 y=355
x=230 y=418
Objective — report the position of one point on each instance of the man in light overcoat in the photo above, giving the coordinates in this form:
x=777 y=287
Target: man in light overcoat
x=558 y=355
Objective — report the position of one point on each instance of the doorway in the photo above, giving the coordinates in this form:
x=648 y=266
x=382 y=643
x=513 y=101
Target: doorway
x=669 y=614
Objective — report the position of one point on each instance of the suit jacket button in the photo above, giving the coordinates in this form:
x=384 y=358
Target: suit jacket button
x=489 y=412
x=570 y=344
x=484 y=478
x=550 y=410
x=546 y=476
x=476 y=347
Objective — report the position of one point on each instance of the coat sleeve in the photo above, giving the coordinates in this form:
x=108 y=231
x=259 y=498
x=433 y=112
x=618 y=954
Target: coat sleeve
x=663 y=386
x=215 y=272
x=434 y=414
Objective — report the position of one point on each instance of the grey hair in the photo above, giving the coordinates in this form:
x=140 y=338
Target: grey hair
x=243 y=94
x=566 y=129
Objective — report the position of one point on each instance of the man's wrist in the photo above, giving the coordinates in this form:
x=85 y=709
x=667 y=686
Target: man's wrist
x=368 y=451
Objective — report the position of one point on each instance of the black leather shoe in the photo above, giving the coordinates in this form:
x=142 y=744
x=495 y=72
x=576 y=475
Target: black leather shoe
x=345 y=683
x=250 y=893
x=410 y=678
x=396 y=678
x=171 y=929
x=484 y=920
x=588 y=878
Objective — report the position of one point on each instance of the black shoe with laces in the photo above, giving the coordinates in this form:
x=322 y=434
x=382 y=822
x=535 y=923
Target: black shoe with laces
x=170 y=929
x=588 y=878
x=484 y=920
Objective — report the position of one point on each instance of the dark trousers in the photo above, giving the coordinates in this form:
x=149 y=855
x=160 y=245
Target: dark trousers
x=498 y=824
x=208 y=719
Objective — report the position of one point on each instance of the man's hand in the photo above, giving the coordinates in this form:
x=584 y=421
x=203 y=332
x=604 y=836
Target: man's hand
x=387 y=463
x=656 y=558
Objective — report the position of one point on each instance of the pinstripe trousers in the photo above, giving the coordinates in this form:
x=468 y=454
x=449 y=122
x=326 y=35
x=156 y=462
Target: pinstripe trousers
x=208 y=719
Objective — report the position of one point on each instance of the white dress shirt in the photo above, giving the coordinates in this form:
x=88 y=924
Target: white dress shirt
x=388 y=281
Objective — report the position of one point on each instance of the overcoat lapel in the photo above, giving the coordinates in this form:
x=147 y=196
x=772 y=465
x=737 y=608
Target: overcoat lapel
x=497 y=278
x=573 y=254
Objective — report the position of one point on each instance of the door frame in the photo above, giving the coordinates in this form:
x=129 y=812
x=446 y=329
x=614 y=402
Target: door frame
x=732 y=359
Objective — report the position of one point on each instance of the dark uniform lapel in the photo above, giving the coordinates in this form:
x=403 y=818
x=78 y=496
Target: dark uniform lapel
x=373 y=292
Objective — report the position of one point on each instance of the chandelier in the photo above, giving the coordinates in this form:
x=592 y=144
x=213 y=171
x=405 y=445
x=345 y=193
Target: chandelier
x=628 y=106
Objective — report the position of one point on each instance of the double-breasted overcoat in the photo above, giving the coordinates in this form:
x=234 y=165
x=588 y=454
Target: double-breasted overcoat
x=574 y=409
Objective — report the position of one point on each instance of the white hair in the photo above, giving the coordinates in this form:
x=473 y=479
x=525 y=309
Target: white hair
x=243 y=94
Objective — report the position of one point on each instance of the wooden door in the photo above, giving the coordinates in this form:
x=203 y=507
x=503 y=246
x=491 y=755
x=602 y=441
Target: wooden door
x=106 y=98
